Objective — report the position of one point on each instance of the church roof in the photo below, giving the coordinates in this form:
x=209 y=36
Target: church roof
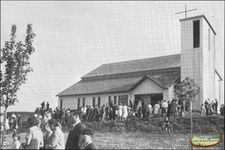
x=111 y=85
x=125 y=76
x=162 y=62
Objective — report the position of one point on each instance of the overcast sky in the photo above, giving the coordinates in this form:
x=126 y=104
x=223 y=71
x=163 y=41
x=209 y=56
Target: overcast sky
x=73 y=38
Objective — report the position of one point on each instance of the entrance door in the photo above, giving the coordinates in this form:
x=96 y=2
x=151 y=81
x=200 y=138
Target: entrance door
x=156 y=98
x=61 y=103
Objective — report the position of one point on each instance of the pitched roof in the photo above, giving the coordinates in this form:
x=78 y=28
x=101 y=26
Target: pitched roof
x=125 y=76
x=100 y=86
x=106 y=86
x=170 y=61
x=163 y=78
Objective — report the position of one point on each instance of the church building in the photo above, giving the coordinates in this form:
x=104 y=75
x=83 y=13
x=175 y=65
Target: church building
x=153 y=79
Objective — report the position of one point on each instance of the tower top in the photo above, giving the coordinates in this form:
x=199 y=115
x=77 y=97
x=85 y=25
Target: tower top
x=185 y=11
x=200 y=16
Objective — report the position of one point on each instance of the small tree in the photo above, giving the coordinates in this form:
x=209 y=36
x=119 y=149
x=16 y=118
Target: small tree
x=14 y=61
x=186 y=90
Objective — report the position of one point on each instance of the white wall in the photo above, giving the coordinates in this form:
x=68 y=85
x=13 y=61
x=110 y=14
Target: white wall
x=146 y=87
x=208 y=62
x=71 y=101
x=149 y=87
x=218 y=91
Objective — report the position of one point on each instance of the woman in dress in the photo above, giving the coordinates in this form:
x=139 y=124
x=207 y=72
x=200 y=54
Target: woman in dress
x=120 y=111
x=55 y=135
x=34 y=137
x=156 y=110
x=125 y=112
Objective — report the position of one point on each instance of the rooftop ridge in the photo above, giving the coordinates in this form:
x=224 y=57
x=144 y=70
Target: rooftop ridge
x=120 y=62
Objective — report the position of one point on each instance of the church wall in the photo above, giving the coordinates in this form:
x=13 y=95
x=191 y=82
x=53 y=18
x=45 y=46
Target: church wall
x=147 y=87
x=171 y=94
x=71 y=102
x=218 y=91
x=208 y=62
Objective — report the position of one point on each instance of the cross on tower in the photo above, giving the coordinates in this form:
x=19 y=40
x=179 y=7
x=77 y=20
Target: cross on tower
x=185 y=11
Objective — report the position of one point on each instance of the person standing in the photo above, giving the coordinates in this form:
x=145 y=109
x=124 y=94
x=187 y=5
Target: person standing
x=156 y=110
x=125 y=112
x=101 y=112
x=169 y=109
x=87 y=113
x=206 y=107
x=16 y=141
x=131 y=104
x=47 y=106
x=120 y=111
x=91 y=115
x=14 y=125
x=216 y=106
x=10 y=122
x=96 y=113
x=164 y=108
x=34 y=137
x=173 y=108
x=43 y=105
x=114 y=107
x=203 y=111
x=107 y=112
x=55 y=135
x=149 y=110
x=76 y=127
x=19 y=120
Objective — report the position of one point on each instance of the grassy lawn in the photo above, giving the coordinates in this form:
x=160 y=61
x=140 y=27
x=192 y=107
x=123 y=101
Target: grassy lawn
x=136 y=140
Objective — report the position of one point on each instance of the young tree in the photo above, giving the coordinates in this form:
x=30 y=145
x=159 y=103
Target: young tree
x=186 y=90
x=15 y=66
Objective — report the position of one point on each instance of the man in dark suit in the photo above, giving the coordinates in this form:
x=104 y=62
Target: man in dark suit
x=76 y=127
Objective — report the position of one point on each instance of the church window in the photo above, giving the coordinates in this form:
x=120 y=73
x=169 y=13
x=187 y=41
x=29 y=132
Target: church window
x=109 y=99
x=83 y=102
x=78 y=103
x=115 y=99
x=123 y=99
x=196 y=33
x=99 y=102
x=61 y=103
x=93 y=101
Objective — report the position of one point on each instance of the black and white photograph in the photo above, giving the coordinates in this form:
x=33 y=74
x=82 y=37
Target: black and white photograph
x=112 y=74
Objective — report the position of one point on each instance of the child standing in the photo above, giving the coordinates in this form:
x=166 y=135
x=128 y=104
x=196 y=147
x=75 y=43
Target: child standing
x=166 y=124
x=16 y=141
x=203 y=111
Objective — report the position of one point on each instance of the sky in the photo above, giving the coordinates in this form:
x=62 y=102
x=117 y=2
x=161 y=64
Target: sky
x=74 y=37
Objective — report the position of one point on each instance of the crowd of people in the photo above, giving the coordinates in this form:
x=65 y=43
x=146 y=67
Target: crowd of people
x=111 y=111
x=13 y=122
x=45 y=126
x=106 y=112
x=47 y=134
x=209 y=107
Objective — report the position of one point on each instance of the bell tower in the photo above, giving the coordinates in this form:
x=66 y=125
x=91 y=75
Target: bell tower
x=198 y=56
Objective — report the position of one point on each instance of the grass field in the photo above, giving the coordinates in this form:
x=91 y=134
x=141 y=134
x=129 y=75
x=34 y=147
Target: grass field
x=136 y=140
x=138 y=134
